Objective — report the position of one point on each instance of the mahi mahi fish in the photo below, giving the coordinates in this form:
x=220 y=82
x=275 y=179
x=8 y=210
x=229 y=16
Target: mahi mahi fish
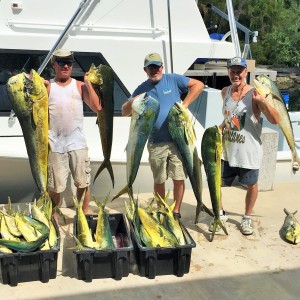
x=29 y=98
x=183 y=134
x=102 y=79
x=265 y=86
x=145 y=110
x=103 y=235
x=290 y=229
x=211 y=152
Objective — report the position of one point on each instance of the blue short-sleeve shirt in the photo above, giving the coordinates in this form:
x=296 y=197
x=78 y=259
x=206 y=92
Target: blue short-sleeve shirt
x=167 y=91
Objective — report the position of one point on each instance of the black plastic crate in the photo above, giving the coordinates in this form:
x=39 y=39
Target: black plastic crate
x=111 y=263
x=163 y=260
x=30 y=266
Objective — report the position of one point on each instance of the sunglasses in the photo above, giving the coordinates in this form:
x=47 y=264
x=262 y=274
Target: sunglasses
x=153 y=67
x=62 y=63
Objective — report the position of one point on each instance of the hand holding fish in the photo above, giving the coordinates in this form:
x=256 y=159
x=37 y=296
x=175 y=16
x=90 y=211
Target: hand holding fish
x=89 y=95
x=127 y=106
x=46 y=83
x=260 y=100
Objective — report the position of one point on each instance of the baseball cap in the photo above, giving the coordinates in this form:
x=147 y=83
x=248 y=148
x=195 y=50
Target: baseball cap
x=63 y=54
x=237 y=61
x=153 y=59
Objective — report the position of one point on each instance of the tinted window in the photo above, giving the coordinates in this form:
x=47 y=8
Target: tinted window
x=12 y=63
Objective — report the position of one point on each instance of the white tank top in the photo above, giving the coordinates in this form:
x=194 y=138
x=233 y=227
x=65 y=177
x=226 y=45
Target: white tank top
x=65 y=118
x=242 y=146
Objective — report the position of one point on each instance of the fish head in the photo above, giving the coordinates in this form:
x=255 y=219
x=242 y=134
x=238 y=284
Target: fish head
x=17 y=93
x=292 y=227
x=15 y=84
x=293 y=234
x=181 y=117
x=215 y=132
x=94 y=75
x=34 y=85
x=139 y=105
x=265 y=86
x=262 y=84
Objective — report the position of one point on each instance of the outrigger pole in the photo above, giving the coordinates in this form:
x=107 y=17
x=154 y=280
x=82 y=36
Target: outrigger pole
x=232 y=25
x=82 y=6
x=170 y=36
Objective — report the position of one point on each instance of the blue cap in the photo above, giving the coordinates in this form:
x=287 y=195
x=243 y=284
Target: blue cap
x=237 y=61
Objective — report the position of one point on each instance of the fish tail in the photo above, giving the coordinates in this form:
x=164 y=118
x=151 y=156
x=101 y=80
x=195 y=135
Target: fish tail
x=111 y=173
x=201 y=207
x=106 y=164
x=217 y=222
x=198 y=210
x=207 y=210
x=125 y=189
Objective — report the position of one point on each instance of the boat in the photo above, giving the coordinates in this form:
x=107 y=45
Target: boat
x=111 y=32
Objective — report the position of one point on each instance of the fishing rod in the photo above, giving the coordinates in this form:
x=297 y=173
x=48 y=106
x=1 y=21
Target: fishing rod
x=82 y=6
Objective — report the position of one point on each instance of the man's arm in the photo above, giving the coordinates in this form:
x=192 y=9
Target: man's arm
x=195 y=88
x=126 y=107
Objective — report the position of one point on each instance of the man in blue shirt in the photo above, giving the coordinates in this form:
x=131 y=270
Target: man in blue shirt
x=164 y=159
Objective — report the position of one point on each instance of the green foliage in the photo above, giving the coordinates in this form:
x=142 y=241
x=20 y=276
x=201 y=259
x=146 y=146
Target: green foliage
x=277 y=21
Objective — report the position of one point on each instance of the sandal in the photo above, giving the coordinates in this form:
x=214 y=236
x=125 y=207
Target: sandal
x=176 y=215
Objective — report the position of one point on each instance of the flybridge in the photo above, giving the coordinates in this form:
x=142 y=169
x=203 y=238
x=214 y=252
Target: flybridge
x=123 y=32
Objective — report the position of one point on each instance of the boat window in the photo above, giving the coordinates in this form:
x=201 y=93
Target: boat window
x=12 y=63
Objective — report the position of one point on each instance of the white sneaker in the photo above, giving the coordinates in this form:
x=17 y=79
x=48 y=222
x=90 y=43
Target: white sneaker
x=246 y=226
x=223 y=219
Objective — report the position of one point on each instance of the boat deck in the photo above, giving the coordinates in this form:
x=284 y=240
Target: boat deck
x=218 y=69
x=261 y=266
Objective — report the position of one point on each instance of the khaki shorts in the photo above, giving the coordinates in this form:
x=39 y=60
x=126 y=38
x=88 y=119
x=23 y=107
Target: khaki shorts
x=60 y=165
x=165 y=162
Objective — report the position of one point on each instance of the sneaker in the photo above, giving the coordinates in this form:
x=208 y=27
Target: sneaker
x=246 y=226
x=223 y=219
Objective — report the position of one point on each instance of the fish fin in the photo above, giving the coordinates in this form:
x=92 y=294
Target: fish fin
x=160 y=232
x=106 y=164
x=34 y=114
x=189 y=134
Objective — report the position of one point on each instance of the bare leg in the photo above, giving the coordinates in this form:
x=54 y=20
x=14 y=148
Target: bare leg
x=55 y=197
x=178 y=191
x=251 y=196
x=86 y=201
x=159 y=188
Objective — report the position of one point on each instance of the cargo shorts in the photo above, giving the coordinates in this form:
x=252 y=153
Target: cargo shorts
x=245 y=176
x=165 y=162
x=61 y=164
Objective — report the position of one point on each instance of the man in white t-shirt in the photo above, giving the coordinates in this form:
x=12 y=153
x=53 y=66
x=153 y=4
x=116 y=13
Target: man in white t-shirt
x=68 y=147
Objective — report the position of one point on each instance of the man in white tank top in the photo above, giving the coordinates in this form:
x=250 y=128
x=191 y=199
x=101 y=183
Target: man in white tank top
x=68 y=148
x=242 y=148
